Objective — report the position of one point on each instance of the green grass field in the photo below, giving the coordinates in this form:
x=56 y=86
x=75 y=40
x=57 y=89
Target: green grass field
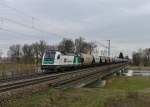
x=119 y=92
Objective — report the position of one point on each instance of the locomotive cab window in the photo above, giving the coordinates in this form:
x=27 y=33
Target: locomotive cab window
x=58 y=57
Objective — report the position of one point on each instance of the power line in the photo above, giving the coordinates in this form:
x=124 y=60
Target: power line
x=33 y=20
x=10 y=31
x=101 y=44
x=108 y=48
x=21 y=15
x=29 y=27
x=16 y=10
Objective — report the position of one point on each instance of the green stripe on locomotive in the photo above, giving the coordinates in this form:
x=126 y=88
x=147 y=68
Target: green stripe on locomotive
x=77 y=60
x=48 y=61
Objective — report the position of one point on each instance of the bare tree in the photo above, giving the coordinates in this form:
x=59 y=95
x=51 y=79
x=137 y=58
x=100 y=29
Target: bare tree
x=42 y=47
x=142 y=57
x=146 y=53
x=92 y=46
x=136 y=58
x=15 y=52
x=38 y=50
x=82 y=46
x=34 y=53
x=85 y=48
x=66 y=45
x=28 y=54
x=52 y=47
x=1 y=53
x=79 y=45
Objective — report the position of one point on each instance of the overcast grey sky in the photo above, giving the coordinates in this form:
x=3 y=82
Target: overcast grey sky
x=125 y=22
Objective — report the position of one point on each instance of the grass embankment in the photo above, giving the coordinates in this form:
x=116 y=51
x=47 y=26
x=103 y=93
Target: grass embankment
x=119 y=92
x=139 y=68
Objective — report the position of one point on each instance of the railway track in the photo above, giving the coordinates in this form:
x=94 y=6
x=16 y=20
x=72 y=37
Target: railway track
x=56 y=80
x=23 y=83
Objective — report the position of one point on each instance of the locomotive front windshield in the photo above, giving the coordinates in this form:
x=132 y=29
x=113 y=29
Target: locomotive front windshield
x=49 y=57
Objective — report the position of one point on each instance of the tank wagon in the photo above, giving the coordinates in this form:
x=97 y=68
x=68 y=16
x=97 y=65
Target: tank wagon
x=86 y=59
x=57 y=61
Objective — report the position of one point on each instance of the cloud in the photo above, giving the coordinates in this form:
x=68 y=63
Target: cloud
x=125 y=22
x=138 y=11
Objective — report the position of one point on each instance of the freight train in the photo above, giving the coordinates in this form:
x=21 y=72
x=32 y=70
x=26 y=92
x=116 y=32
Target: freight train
x=57 y=61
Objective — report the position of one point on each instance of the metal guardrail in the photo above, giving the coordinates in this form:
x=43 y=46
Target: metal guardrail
x=90 y=78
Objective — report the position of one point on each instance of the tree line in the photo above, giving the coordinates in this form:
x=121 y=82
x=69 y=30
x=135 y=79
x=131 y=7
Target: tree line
x=141 y=57
x=32 y=54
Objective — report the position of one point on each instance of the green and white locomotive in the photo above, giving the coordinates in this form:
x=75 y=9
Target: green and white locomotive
x=55 y=60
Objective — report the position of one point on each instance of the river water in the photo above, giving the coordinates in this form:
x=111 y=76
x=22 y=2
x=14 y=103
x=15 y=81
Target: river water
x=137 y=73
